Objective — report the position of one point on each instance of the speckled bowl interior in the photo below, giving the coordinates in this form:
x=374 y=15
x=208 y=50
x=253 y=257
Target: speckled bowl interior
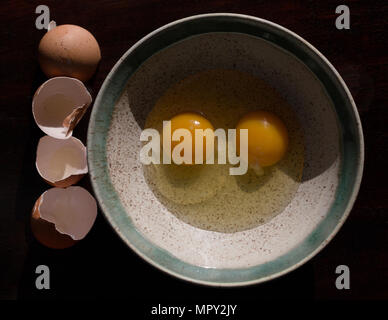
x=318 y=96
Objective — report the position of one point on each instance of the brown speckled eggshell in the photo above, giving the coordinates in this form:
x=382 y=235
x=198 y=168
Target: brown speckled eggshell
x=69 y=50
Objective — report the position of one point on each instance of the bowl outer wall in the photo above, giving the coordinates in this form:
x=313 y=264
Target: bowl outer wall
x=352 y=147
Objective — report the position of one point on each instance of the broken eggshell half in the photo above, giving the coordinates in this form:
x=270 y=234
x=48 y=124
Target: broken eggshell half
x=59 y=104
x=59 y=162
x=61 y=217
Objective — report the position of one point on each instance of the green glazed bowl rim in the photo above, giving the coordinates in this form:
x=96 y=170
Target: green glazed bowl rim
x=352 y=147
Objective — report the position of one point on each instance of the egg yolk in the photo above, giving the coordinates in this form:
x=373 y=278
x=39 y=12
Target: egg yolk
x=190 y=121
x=267 y=138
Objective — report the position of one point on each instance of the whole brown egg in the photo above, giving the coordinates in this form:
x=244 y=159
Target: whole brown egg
x=69 y=50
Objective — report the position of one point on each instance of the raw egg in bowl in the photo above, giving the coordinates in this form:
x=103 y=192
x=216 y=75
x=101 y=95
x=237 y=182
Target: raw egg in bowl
x=224 y=72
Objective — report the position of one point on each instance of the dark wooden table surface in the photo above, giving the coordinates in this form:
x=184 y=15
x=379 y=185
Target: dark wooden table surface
x=101 y=266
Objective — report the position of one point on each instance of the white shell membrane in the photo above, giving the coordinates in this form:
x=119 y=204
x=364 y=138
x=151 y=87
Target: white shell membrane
x=56 y=99
x=58 y=159
x=73 y=210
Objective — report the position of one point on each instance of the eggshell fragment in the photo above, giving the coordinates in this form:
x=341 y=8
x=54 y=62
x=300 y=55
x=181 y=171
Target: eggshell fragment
x=69 y=50
x=51 y=25
x=61 y=163
x=46 y=233
x=61 y=217
x=59 y=104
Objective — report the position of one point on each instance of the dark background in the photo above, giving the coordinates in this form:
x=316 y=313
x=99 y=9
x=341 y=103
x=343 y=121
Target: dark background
x=101 y=266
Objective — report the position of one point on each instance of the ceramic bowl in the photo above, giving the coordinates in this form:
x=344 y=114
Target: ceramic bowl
x=301 y=74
